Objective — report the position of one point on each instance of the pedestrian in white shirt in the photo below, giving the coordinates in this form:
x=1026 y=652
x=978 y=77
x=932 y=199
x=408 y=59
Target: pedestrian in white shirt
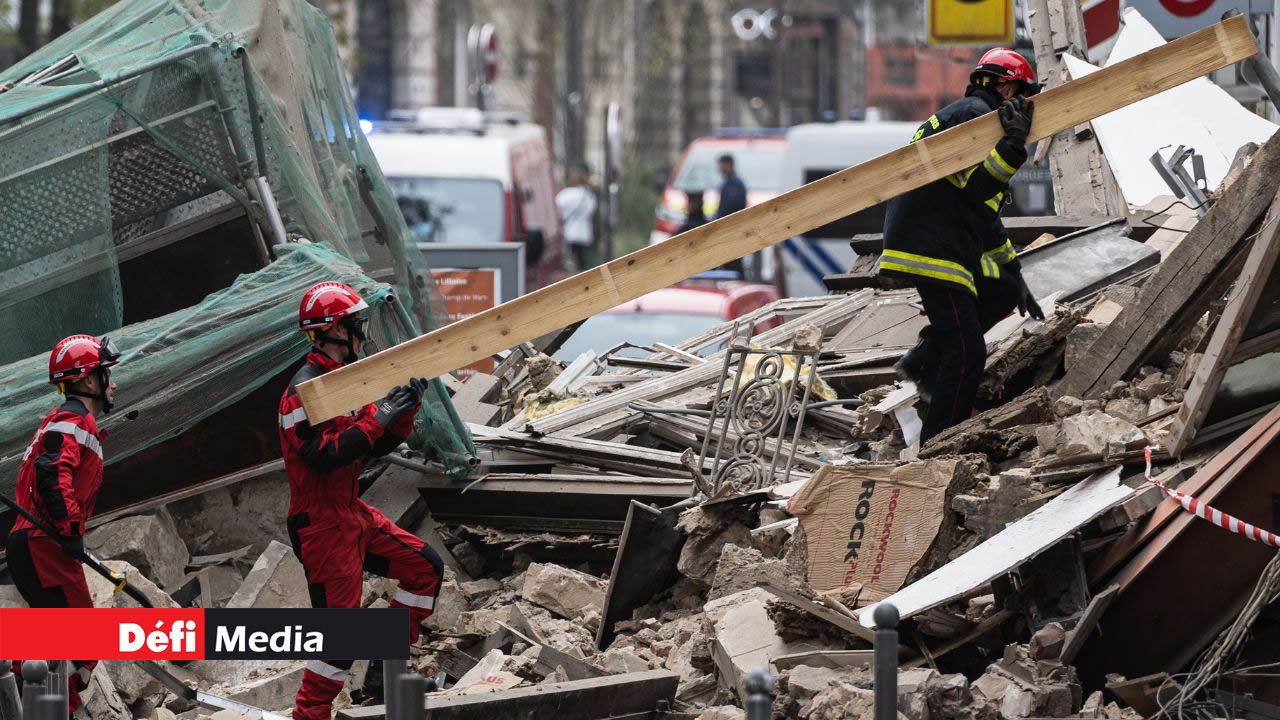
x=577 y=207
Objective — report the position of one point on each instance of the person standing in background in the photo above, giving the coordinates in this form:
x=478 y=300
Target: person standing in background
x=733 y=197
x=576 y=204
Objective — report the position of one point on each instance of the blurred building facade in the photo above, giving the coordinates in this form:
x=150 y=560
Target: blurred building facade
x=677 y=68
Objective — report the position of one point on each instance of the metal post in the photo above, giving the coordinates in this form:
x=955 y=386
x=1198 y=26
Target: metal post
x=759 y=686
x=411 y=700
x=10 y=702
x=56 y=684
x=51 y=707
x=392 y=672
x=885 y=665
x=1268 y=76
x=34 y=673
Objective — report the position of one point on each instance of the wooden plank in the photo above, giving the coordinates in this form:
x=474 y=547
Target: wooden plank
x=1228 y=332
x=763 y=225
x=1170 y=294
x=1088 y=621
x=849 y=625
x=607 y=696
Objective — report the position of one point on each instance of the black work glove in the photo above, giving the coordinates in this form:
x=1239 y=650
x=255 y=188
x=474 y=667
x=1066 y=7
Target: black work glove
x=399 y=401
x=418 y=386
x=1027 y=304
x=72 y=545
x=1015 y=117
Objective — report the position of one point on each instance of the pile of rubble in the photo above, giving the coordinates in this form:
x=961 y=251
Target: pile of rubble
x=642 y=530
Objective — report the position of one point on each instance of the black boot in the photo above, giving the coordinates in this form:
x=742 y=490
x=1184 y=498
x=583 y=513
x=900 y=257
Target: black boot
x=371 y=692
x=920 y=364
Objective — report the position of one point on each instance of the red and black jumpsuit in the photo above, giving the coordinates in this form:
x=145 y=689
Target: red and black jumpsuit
x=59 y=481
x=336 y=535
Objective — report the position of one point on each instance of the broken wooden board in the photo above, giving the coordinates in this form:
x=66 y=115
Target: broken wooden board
x=612 y=695
x=1173 y=296
x=643 y=567
x=835 y=659
x=1009 y=548
x=770 y=222
x=1229 y=331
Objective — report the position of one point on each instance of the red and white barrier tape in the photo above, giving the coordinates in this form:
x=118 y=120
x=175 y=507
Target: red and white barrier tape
x=1217 y=517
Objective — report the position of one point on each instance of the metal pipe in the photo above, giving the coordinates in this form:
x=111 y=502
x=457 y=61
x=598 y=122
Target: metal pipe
x=255 y=120
x=268 y=200
x=885 y=662
x=10 y=701
x=1268 y=76
x=93 y=87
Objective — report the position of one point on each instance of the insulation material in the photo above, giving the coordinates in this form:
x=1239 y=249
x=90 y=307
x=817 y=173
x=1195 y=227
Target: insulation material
x=1197 y=114
x=868 y=524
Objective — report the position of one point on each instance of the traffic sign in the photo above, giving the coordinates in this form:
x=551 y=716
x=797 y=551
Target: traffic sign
x=1175 y=18
x=970 y=22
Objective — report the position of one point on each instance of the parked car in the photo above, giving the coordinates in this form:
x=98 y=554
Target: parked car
x=673 y=314
x=463 y=176
x=757 y=155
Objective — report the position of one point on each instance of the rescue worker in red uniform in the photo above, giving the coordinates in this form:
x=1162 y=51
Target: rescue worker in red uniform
x=946 y=239
x=59 y=480
x=334 y=533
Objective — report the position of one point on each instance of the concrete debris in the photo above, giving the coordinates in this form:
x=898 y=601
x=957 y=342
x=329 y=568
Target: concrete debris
x=618 y=660
x=567 y=593
x=722 y=712
x=228 y=518
x=273 y=690
x=842 y=701
x=277 y=580
x=1090 y=435
x=744 y=637
x=148 y=542
x=1079 y=340
x=450 y=605
x=1047 y=642
x=742 y=568
x=10 y=597
x=104 y=594
x=100 y=701
x=1019 y=686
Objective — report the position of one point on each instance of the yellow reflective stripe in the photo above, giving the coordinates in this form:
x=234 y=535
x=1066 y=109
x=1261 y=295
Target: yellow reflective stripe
x=928 y=267
x=995 y=155
x=994 y=171
x=990 y=268
x=1002 y=254
x=993 y=204
x=934 y=122
x=961 y=179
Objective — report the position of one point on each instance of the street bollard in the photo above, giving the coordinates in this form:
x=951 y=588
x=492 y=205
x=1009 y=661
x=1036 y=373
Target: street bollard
x=51 y=707
x=391 y=672
x=10 y=702
x=885 y=667
x=411 y=703
x=759 y=687
x=56 y=683
x=34 y=673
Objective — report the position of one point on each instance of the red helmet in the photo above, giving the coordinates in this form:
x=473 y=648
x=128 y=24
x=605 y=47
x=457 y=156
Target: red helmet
x=75 y=357
x=326 y=303
x=1006 y=64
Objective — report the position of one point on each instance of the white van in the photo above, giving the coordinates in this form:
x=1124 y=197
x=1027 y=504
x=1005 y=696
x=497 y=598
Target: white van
x=814 y=151
x=461 y=176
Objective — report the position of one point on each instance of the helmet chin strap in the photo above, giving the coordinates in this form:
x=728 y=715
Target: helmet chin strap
x=349 y=344
x=100 y=396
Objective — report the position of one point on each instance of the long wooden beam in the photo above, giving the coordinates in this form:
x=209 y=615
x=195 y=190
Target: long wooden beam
x=758 y=227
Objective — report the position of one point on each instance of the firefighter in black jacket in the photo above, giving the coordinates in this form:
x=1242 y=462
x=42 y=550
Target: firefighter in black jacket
x=947 y=240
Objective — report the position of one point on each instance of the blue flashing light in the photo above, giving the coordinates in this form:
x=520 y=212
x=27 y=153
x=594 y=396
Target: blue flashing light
x=366 y=126
x=717 y=275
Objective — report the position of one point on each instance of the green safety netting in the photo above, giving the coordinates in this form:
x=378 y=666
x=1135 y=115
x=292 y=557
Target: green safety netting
x=131 y=131
x=181 y=367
